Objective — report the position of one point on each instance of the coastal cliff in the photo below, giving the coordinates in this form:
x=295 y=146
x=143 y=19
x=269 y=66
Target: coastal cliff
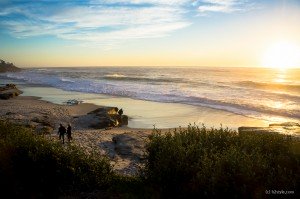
x=8 y=67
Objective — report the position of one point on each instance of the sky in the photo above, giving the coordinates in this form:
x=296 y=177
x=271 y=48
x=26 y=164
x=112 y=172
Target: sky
x=233 y=33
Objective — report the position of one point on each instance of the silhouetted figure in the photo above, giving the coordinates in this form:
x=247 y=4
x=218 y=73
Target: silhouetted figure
x=116 y=109
x=120 y=112
x=62 y=132
x=69 y=132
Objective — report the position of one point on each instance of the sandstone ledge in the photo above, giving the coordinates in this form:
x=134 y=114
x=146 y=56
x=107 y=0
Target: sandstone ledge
x=9 y=91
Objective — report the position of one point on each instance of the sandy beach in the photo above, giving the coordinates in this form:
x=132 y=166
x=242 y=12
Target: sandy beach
x=35 y=113
x=145 y=114
x=123 y=145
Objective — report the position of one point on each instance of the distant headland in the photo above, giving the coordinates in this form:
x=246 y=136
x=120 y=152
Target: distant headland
x=8 y=67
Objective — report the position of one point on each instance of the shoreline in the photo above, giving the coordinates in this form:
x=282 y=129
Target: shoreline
x=146 y=114
x=43 y=109
x=124 y=145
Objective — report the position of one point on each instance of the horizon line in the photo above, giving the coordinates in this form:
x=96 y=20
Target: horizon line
x=154 y=66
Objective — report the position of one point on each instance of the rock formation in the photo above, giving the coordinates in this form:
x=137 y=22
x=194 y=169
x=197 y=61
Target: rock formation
x=9 y=91
x=130 y=145
x=8 y=67
x=103 y=118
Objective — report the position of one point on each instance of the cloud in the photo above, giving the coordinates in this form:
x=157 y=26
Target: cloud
x=95 y=21
x=156 y=2
x=104 y=21
x=225 y=6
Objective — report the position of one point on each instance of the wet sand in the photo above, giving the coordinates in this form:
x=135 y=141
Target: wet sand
x=146 y=114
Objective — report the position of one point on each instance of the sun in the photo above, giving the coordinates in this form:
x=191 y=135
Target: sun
x=282 y=55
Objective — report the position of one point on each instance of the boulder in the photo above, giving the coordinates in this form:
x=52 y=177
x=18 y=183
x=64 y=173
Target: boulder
x=120 y=119
x=123 y=144
x=103 y=122
x=9 y=91
x=107 y=117
x=105 y=110
x=129 y=145
x=124 y=120
x=44 y=121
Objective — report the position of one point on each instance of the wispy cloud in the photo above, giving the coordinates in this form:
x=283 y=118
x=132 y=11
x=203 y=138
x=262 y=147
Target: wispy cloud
x=104 y=21
x=226 y=6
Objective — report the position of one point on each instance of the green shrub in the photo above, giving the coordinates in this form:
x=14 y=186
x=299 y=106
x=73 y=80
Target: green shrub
x=192 y=162
x=32 y=166
x=200 y=162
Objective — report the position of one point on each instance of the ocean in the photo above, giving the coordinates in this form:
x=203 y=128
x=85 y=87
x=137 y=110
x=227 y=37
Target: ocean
x=267 y=94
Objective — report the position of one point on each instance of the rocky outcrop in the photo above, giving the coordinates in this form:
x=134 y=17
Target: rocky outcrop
x=107 y=117
x=40 y=123
x=8 y=67
x=9 y=91
x=288 y=128
x=129 y=145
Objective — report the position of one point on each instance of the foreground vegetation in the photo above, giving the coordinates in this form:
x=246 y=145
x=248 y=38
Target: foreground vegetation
x=33 y=166
x=215 y=163
x=188 y=163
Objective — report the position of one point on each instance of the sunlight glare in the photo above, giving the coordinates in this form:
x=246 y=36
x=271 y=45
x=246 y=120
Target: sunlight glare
x=282 y=55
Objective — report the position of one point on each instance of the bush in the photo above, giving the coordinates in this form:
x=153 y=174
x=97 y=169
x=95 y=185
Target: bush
x=214 y=163
x=187 y=163
x=32 y=166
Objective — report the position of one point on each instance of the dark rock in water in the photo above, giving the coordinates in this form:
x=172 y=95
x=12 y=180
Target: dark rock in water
x=107 y=117
x=9 y=91
x=8 y=67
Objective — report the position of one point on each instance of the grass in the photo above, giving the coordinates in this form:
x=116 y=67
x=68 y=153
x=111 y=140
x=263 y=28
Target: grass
x=187 y=163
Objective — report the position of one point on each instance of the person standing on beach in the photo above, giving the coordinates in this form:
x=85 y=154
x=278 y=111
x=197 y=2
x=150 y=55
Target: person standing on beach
x=69 y=132
x=62 y=132
x=120 y=112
